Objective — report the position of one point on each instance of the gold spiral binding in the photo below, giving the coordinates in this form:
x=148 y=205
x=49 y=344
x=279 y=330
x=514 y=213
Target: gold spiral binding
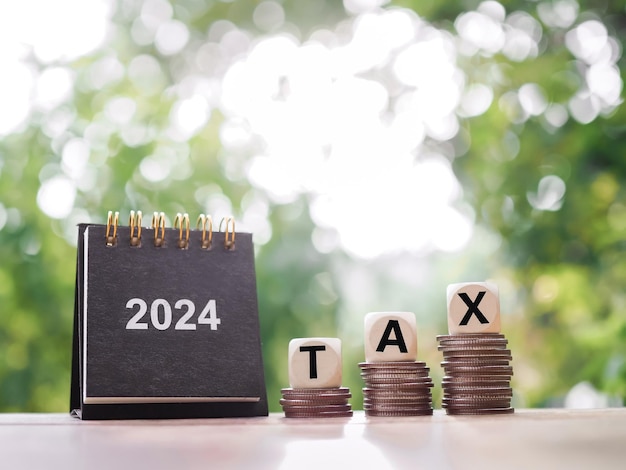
x=229 y=235
x=158 y=224
x=183 y=243
x=134 y=221
x=111 y=239
x=203 y=220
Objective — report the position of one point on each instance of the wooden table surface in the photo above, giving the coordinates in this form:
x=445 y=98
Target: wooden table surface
x=528 y=439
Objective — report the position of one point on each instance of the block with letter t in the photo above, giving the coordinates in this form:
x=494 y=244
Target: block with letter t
x=390 y=337
x=315 y=363
x=473 y=307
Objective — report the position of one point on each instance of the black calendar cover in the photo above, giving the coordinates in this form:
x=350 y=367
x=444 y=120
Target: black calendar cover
x=165 y=332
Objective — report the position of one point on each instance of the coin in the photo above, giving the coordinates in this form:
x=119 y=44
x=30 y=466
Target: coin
x=477 y=353
x=392 y=374
x=477 y=406
x=479 y=411
x=396 y=406
x=309 y=396
x=316 y=408
x=470 y=336
x=456 y=390
x=471 y=346
x=393 y=365
x=313 y=401
x=398 y=414
x=406 y=393
x=479 y=370
x=395 y=379
x=479 y=362
x=327 y=414
x=475 y=400
x=316 y=391
x=474 y=340
x=474 y=378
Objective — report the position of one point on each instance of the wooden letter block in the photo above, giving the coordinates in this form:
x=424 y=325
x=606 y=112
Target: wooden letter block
x=390 y=337
x=473 y=307
x=315 y=363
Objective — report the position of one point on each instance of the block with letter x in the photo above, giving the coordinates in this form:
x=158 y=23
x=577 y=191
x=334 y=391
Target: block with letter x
x=315 y=363
x=390 y=337
x=473 y=307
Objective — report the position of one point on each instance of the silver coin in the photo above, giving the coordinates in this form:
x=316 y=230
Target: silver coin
x=395 y=380
x=475 y=378
x=309 y=399
x=478 y=390
x=485 y=406
x=395 y=391
x=414 y=395
x=394 y=376
x=398 y=384
x=396 y=401
x=472 y=349
x=316 y=409
x=317 y=398
x=479 y=358
x=483 y=411
x=398 y=414
x=398 y=387
x=481 y=369
x=308 y=395
x=470 y=335
x=474 y=405
x=473 y=339
x=395 y=373
x=478 y=350
x=397 y=406
x=475 y=398
x=401 y=392
x=472 y=345
x=466 y=372
x=393 y=365
x=477 y=353
x=392 y=379
x=332 y=390
x=392 y=399
x=328 y=414
x=423 y=395
x=417 y=381
x=487 y=361
x=452 y=387
x=476 y=384
x=451 y=399
x=313 y=402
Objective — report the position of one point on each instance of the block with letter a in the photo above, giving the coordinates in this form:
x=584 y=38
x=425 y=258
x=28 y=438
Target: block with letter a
x=390 y=337
x=473 y=307
x=315 y=363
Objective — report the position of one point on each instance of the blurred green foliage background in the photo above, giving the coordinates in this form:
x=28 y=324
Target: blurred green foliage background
x=150 y=105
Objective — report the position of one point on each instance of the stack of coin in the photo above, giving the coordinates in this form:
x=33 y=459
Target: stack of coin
x=316 y=402
x=477 y=377
x=396 y=389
